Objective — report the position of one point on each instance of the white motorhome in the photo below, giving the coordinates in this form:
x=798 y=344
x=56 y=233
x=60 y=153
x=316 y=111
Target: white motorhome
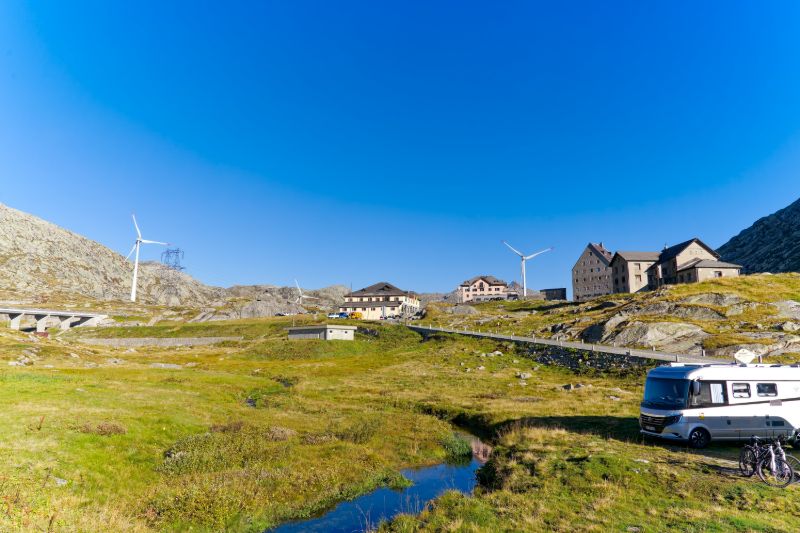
x=700 y=403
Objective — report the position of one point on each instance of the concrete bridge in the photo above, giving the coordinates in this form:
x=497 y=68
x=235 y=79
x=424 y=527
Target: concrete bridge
x=64 y=319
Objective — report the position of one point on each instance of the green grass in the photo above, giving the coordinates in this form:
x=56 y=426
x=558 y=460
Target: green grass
x=252 y=433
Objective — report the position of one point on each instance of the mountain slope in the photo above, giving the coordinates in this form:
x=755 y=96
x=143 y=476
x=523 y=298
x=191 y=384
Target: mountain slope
x=40 y=258
x=772 y=244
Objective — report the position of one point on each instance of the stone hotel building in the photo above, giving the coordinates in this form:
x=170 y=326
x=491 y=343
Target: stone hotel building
x=379 y=301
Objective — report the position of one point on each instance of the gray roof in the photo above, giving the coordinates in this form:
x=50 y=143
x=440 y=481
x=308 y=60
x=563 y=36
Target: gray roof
x=382 y=288
x=320 y=326
x=638 y=256
x=673 y=251
x=708 y=263
x=601 y=250
x=491 y=280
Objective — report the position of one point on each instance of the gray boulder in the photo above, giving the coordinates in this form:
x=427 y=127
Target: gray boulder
x=712 y=298
x=667 y=336
x=603 y=330
x=690 y=312
x=788 y=309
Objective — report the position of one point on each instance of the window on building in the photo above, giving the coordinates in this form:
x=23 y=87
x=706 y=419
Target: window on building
x=717 y=273
x=638 y=278
x=638 y=266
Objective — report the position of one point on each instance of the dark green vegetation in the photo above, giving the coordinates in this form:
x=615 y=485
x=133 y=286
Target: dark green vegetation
x=247 y=434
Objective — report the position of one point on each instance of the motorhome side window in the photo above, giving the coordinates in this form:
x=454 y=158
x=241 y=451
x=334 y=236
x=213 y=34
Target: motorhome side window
x=741 y=390
x=711 y=393
x=767 y=389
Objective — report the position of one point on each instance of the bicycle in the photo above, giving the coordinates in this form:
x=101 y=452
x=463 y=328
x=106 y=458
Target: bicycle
x=769 y=460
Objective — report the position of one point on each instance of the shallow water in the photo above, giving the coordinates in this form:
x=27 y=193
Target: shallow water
x=366 y=512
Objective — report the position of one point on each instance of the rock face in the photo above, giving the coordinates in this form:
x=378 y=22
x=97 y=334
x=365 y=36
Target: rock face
x=788 y=309
x=666 y=336
x=37 y=257
x=772 y=244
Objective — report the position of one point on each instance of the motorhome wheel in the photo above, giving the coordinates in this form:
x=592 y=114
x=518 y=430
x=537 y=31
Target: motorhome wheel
x=699 y=438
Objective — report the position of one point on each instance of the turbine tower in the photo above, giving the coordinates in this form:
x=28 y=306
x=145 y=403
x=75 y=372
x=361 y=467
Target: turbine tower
x=136 y=245
x=300 y=295
x=524 y=258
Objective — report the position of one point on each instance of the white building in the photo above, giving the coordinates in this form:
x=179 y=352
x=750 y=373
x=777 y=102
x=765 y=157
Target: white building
x=326 y=332
x=380 y=300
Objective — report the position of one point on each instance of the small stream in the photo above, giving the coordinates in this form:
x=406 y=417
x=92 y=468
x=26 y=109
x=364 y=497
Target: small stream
x=367 y=511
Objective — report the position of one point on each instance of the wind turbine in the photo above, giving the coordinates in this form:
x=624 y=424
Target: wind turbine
x=300 y=295
x=136 y=246
x=524 y=258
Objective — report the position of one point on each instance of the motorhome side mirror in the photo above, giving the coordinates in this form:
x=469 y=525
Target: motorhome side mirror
x=695 y=388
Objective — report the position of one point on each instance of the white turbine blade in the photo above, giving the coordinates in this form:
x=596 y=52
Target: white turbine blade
x=513 y=249
x=135 y=225
x=131 y=252
x=538 y=253
x=145 y=241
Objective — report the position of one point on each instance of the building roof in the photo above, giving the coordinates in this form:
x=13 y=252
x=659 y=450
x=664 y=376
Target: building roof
x=708 y=263
x=600 y=250
x=673 y=251
x=316 y=327
x=382 y=288
x=391 y=303
x=491 y=280
x=637 y=256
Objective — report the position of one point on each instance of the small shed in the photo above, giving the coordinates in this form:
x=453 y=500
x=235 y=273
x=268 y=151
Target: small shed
x=327 y=332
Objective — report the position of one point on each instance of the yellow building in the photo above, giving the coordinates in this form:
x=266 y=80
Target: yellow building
x=381 y=300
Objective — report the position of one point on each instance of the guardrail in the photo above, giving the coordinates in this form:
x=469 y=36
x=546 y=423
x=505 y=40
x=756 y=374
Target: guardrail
x=588 y=347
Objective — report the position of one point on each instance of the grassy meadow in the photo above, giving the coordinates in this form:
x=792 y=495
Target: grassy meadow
x=247 y=434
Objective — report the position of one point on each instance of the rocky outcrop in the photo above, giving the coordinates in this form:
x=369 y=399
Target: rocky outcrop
x=764 y=343
x=712 y=298
x=771 y=244
x=689 y=312
x=38 y=258
x=664 y=336
x=462 y=310
x=788 y=309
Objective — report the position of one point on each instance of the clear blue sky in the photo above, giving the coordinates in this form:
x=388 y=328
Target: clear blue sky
x=352 y=142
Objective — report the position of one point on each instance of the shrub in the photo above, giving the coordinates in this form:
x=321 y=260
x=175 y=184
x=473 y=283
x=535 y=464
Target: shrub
x=279 y=434
x=230 y=427
x=359 y=431
x=103 y=428
x=456 y=446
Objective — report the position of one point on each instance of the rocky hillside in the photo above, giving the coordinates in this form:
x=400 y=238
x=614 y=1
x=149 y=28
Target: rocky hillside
x=772 y=244
x=757 y=312
x=39 y=260
x=37 y=257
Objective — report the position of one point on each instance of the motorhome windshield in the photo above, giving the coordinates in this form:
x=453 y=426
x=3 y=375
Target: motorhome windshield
x=660 y=393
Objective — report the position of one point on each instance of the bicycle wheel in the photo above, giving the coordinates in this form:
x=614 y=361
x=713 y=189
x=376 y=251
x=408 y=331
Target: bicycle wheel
x=794 y=462
x=781 y=476
x=747 y=461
